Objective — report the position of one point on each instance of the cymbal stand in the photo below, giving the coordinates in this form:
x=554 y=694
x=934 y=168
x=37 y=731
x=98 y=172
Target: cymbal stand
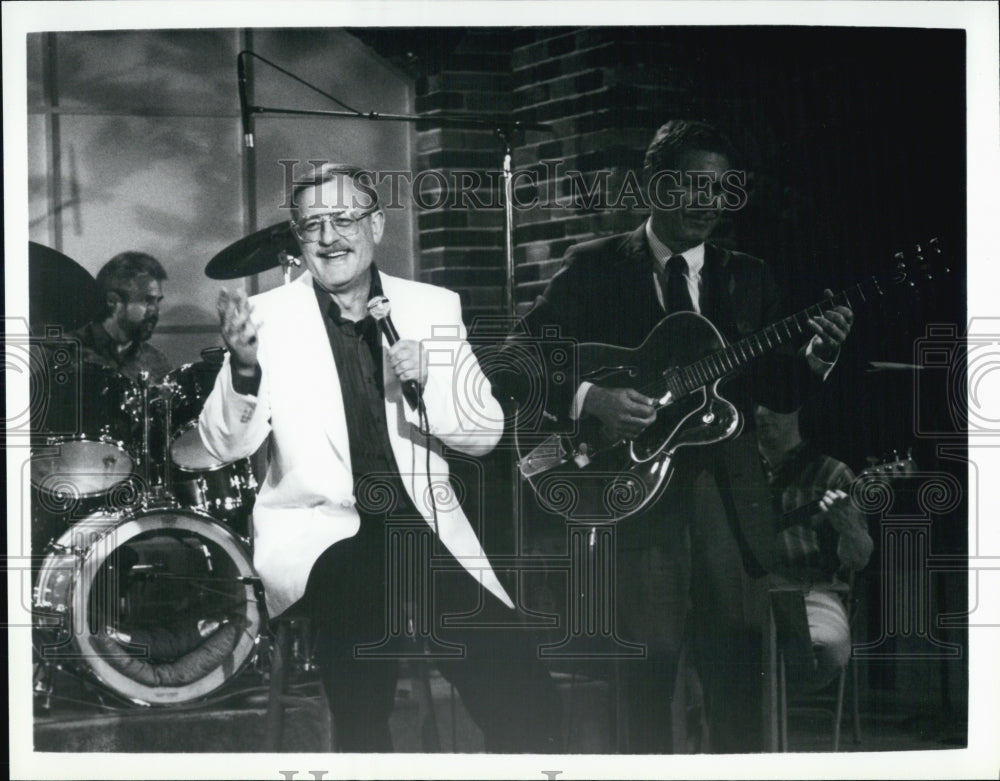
x=287 y=261
x=159 y=491
x=147 y=474
x=168 y=427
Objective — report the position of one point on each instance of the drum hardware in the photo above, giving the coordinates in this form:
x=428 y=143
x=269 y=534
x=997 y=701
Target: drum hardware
x=224 y=490
x=42 y=684
x=168 y=390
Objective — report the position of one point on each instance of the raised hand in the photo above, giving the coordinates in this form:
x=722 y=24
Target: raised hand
x=624 y=412
x=238 y=331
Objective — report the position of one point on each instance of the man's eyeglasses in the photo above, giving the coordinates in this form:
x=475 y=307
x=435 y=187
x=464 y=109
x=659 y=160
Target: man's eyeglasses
x=310 y=228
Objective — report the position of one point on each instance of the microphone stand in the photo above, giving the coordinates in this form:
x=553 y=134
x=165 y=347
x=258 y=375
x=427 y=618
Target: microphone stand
x=509 y=132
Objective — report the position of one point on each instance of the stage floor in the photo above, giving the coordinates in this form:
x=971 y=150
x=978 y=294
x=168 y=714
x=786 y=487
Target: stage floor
x=234 y=722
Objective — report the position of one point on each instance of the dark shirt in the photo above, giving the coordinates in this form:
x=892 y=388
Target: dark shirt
x=357 y=353
x=97 y=346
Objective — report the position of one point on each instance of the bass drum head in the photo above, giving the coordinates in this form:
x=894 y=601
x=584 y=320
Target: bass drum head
x=158 y=607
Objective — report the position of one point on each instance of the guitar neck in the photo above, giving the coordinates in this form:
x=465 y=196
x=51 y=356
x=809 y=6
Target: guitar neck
x=792 y=329
x=885 y=472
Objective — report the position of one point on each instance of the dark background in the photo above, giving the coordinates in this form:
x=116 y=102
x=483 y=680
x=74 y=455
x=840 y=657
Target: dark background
x=854 y=143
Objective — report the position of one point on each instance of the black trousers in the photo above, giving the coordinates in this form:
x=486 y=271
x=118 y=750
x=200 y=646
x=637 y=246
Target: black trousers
x=367 y=593
x=687 y=583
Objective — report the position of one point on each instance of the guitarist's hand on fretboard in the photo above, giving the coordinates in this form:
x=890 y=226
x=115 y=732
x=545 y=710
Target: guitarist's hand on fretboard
x=624 y=412
x=837 y=507
x=832 y=327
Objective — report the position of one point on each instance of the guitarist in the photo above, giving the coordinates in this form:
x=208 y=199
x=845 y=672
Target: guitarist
x=822 y=538
x=683 y=562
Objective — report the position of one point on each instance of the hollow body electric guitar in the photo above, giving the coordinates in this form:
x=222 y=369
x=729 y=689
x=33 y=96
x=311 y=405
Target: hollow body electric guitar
x=587 y=477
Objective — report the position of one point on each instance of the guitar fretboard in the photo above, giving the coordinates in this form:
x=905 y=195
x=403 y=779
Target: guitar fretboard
x=735 y=356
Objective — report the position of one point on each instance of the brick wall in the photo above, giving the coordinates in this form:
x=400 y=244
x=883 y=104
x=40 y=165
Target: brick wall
x=461 y=242
x=601 y=91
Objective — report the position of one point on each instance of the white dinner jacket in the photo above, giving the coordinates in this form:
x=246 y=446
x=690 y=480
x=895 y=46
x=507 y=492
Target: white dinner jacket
x=306 y=502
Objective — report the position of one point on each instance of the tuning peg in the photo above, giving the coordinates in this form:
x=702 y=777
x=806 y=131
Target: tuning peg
x=938 y=253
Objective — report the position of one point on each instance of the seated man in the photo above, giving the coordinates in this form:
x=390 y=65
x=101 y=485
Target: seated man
x=131 y=289
x=821 y=538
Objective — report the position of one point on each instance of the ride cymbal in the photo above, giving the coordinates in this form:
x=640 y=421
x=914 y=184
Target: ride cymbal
x=260 y=251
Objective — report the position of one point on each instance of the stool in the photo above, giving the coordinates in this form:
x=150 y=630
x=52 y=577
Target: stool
x=279 y=699
x=776 y=692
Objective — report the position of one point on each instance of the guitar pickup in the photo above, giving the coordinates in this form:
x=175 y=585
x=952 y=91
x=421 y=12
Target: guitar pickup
x=550 y=453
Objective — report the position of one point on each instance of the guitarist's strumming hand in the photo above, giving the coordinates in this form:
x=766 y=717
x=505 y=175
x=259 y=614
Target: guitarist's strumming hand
x=832 y=328
x=624 y=412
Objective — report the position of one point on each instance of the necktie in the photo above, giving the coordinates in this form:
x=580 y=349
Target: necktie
x=678 y=297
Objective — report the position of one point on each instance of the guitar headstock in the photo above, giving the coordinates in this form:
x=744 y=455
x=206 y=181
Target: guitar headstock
x=890 y=467
x=926 y=262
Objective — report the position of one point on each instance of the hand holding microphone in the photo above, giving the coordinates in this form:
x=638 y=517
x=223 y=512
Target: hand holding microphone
x=407 y=358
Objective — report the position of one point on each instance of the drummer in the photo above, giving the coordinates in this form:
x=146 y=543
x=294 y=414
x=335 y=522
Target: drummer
x=131 y=287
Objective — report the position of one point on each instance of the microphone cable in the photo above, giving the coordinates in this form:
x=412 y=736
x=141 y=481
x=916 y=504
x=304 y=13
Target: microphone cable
x=425 y=427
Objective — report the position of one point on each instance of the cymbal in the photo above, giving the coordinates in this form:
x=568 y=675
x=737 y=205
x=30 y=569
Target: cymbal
x=61 y=292
x=253 y=254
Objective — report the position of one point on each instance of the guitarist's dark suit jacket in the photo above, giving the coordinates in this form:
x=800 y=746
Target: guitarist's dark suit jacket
x=605 y=293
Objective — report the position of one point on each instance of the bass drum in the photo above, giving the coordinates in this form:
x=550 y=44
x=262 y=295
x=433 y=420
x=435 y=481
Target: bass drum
x=159 y=607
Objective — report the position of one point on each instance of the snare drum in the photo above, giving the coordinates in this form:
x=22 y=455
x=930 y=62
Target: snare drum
x=159 y=606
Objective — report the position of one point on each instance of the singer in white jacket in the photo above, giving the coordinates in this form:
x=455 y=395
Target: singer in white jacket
x=349 y=458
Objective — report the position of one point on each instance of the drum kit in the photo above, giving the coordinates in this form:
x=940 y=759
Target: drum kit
x=143 y=580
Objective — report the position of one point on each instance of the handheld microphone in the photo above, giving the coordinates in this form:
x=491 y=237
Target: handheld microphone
x=378 y=308
x=245 y=113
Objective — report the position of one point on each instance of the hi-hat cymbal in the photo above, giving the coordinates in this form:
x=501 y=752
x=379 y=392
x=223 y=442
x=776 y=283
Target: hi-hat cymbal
x=61 y=292
x=253 y=254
